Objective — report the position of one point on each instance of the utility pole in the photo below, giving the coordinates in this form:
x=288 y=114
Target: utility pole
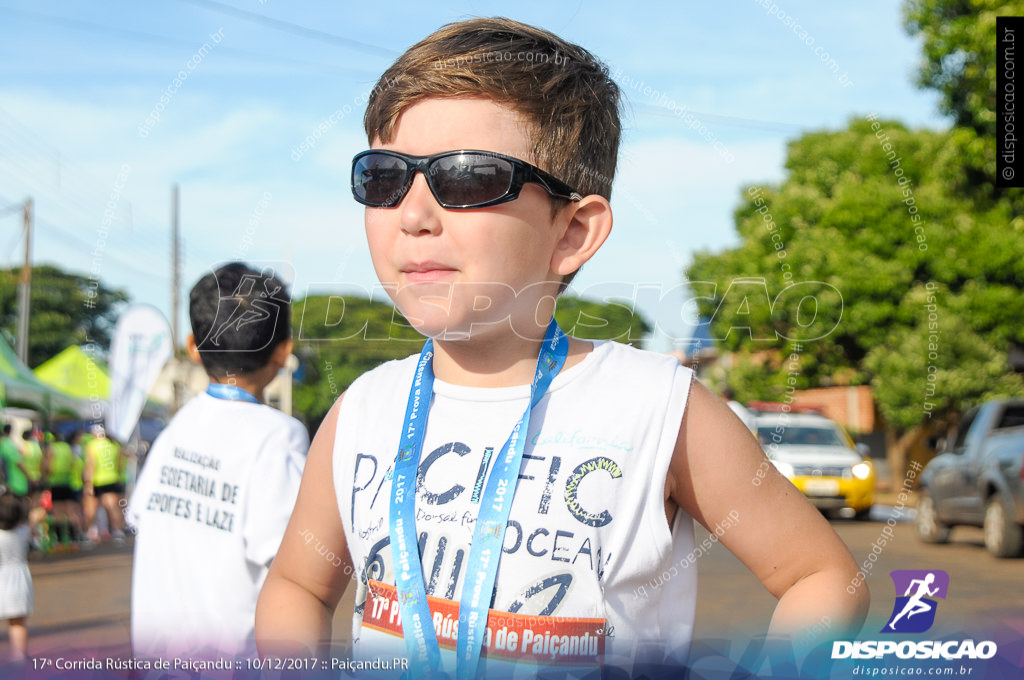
x=176 y=381
x=25 y=285
x=175 y=266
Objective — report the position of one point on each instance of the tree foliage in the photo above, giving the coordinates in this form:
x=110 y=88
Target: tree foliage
x=338 y=338
x=959 y=62
x=959 y=55
x=599 y=321
x=871 y=211
x=65 y=309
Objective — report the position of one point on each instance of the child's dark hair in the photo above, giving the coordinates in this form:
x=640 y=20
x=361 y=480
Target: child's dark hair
x=239 y=316
x=12 y=511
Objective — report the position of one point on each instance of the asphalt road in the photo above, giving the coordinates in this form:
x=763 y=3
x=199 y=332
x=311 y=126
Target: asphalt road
x=82 y=600
x=82 y=604
x=984 y=591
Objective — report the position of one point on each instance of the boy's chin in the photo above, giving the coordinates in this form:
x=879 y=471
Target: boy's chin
x=481 y=330
x=447 y=330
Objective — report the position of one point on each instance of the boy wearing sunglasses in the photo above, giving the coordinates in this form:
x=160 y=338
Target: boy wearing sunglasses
x=512 y=495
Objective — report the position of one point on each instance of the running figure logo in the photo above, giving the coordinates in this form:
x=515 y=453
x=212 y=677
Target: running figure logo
x=914 y=611
x=250 y=304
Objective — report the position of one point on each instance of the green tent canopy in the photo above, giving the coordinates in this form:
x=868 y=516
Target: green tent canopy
x=22 y=388
x=75 y=373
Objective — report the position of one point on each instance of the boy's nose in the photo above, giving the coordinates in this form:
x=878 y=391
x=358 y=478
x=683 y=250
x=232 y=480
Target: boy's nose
x=421 y=213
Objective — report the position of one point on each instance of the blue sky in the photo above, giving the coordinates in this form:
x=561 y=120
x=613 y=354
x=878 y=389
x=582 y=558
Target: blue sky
x=77 y=80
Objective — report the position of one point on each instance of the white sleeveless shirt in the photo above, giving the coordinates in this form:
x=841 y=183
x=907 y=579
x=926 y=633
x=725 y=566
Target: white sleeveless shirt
x=587 y=537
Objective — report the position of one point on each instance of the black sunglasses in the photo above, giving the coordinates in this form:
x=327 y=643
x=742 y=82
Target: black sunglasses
x=459 y=180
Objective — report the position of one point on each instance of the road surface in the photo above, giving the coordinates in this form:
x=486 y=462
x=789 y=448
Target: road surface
x=82 y=600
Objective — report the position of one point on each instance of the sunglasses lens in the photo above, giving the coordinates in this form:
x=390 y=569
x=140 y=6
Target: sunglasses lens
x=379 y=180
x=470 y=179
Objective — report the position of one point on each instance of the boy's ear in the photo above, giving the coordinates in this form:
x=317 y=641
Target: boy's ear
x=281 y=352
x=192 y=349
x=590 y=222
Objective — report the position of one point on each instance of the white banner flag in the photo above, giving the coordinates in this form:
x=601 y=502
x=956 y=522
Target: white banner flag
x=138 y=351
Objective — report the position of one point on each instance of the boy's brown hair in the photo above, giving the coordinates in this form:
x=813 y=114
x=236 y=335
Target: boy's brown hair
x=564 y=93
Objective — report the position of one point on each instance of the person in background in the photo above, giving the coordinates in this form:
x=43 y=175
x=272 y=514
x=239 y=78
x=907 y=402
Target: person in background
x=32 y=453
x=14 y=464
x=103 y=485
x=214 y=497
x=58 y=465
x=77 y=483
x=16 y=593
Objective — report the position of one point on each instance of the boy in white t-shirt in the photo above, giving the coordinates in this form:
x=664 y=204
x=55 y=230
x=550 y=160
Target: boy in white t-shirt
x=219 y=484
x=572 y=469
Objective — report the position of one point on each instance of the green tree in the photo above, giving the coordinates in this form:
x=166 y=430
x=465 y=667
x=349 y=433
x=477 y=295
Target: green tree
x=600 y=321
x=959 y=49
x=338 y=338
x=65 y=309
x=939 y=366
x=908 y=226
x=845 y=220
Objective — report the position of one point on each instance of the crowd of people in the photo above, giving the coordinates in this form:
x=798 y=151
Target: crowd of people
x=63 y=480
x=52 y=488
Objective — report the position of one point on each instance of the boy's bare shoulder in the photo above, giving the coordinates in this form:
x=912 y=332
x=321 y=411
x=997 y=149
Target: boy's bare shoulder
x=383 y=376
x=378 y=385
x=618 y=356
x=644 y=354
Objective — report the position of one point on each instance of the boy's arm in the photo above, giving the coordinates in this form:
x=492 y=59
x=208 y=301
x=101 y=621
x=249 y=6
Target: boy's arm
x=775 y=531
x=303 y=587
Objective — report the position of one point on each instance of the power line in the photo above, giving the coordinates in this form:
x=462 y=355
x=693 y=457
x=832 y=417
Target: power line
x=47 y=226
x=323 y=36
x=14 y=244
x=106 y=257
x=731 y=121
x=295 y=29
x=33 y=146
x=79 y=208
x=80 y=192
x=150 y=38
x=10 y=208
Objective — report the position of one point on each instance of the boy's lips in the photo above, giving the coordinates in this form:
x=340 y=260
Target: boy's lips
x=426 y=271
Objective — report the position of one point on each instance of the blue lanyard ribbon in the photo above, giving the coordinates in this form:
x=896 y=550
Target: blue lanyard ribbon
x=488 y=534
x=230 y=392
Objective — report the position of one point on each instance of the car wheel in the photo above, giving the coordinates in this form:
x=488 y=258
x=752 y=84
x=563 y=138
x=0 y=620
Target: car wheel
x=926 y=523
x=863 y=515
x=1003 y=536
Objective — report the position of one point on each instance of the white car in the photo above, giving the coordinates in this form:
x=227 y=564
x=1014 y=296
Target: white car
x=821 y=460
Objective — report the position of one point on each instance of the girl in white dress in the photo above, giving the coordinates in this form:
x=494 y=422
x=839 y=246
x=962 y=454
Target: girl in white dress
x=16 y=594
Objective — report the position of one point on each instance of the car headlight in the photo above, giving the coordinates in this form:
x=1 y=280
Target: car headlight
x=785 y=468
x=861 y=470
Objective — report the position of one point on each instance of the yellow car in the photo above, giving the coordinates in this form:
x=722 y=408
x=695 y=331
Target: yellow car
x=821 y=460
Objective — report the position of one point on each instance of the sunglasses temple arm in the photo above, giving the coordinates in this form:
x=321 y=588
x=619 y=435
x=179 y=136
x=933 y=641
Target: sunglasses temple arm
x=549 y=183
